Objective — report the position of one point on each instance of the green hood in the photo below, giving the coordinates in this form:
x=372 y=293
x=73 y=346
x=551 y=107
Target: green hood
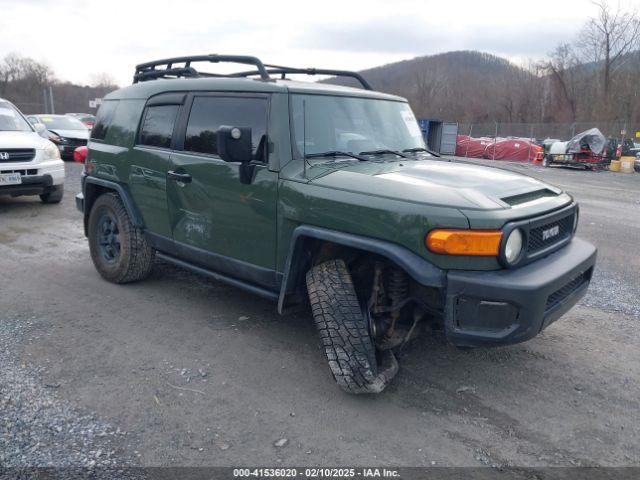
x=436 y=182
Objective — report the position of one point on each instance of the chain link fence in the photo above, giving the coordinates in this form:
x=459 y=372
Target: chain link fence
x=542 y=131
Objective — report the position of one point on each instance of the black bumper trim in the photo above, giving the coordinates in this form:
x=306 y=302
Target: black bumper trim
x=80 y=202
x=511 y=306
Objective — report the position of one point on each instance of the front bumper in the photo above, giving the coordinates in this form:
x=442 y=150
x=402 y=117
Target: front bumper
x=31 y=185
x=67 y=149
x=510 y=306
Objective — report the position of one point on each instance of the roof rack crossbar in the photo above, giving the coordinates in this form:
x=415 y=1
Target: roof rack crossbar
x=283 y=71
x=149 y=70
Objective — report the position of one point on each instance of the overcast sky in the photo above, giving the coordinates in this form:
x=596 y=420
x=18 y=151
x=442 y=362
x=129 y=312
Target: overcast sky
x=78 y=38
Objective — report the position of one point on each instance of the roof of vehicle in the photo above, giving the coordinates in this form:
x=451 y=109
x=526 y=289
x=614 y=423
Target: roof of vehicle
x=144 y=90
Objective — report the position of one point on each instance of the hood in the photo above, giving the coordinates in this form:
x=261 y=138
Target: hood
x=437 y=182
x=80 y=134
x=21 y=140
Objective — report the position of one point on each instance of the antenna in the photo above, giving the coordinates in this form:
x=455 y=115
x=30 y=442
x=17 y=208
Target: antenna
x=304 y=137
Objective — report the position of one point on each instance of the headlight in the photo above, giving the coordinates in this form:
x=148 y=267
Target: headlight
x=513 y=246
x=51 y=152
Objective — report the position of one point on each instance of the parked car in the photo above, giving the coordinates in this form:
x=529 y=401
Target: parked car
x=322 y=195
x=29 y=164
x=66 y=132
x=86 y=118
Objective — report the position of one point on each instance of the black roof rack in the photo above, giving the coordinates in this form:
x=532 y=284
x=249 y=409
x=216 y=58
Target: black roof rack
x=283 y=71
x=166 y=69
x=150 y=70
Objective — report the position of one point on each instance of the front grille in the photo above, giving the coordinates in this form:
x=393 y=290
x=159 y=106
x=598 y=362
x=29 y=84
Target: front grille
x=563 y=292
x=16 y=154
x=556 y=231
x=76 y=142
x=23 y=172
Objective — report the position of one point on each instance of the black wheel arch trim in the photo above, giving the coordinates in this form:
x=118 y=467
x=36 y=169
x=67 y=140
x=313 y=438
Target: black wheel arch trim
x=120 y=189
x=421 y=270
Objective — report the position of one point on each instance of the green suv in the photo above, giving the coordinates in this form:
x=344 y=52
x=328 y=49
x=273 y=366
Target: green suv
x=321 y=196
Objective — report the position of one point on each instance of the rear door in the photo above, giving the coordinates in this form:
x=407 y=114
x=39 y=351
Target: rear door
x=216 y=220
x=150 y=161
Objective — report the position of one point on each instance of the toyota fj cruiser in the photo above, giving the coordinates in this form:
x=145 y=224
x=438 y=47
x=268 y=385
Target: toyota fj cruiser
x=321 y=195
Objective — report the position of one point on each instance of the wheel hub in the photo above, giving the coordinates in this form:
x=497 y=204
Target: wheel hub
x=109 y=238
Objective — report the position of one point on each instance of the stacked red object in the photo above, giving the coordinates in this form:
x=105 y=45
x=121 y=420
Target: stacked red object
x=514 y=149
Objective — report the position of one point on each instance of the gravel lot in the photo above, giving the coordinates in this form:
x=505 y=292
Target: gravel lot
x=183 y=371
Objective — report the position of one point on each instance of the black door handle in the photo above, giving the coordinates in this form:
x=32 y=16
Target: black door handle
x=179 y=177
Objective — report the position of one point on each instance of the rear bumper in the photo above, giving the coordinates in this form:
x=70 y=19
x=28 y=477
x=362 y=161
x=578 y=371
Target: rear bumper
x=80 y=202
x=510 y=306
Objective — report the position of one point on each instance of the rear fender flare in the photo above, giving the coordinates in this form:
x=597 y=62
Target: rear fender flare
x=93 y=187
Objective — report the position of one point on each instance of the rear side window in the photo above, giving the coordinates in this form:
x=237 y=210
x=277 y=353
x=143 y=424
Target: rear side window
x=209 y=113
x=157 y=126
x=104 y=119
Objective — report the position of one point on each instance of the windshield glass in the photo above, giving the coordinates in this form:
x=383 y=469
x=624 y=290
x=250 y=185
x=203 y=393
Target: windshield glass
x=11 y=120
x=62 y=123
x=353 y=125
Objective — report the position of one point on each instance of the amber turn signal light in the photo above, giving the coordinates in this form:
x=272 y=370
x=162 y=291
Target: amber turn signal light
x=464 y=242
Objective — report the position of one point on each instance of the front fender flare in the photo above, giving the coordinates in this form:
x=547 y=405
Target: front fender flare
x=421 y=270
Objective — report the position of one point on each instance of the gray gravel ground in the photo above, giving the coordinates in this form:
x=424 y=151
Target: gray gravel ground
x=198 y=373
x=36 y=427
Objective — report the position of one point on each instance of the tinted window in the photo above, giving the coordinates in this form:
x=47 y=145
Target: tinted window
x=209 y=113
x=157 y=127
x=103 y=120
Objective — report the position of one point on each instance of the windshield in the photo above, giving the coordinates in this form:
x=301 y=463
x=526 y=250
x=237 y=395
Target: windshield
x=61 y=123
x=353 y=125
x=11 y=120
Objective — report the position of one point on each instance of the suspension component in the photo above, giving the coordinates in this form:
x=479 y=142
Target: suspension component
x=398 y=290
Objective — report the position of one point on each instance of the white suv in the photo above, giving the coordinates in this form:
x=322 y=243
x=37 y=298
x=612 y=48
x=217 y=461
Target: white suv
x=29 y=163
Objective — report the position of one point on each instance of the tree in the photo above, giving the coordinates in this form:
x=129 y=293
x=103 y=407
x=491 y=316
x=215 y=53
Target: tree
x=564 y=68
x=609 y=38
x=103 y=80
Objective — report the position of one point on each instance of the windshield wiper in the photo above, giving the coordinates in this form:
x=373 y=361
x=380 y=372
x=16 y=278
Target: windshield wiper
x=421 y=149
x=335 y=153
x=384 y=152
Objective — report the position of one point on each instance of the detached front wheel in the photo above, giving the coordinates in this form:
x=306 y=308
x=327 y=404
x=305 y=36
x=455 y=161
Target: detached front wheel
x=344 y=331
x=119 y=250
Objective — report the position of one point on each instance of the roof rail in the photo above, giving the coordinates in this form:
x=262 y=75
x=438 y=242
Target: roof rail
x=150 y=70
x=283 y=71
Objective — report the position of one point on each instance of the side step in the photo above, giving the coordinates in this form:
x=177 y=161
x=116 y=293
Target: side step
x=263 y=292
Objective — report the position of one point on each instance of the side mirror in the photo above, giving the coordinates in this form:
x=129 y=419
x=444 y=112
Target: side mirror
x=234 y=144
x=39 y=128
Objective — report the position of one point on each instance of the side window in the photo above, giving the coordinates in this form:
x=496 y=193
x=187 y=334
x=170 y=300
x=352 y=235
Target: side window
x=157 y=126
x=103 y=119
x=209 y=113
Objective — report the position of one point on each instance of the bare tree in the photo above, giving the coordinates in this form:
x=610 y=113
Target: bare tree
x=564 y=68
x=103 y=80
x=609 y=38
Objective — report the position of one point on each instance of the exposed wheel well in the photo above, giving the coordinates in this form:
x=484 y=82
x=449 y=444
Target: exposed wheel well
x=362 y=263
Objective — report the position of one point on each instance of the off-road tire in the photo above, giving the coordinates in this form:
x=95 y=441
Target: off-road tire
x=54 y=195
x=135 y=259
x=344 y=332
